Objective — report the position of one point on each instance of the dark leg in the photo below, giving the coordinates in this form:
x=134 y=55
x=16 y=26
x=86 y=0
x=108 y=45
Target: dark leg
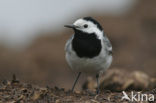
x=98 y=85
x=76 y=81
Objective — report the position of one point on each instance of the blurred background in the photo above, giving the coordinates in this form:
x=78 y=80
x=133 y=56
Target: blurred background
x=32 y=37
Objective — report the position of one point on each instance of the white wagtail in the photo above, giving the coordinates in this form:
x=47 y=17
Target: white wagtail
x=88 y=50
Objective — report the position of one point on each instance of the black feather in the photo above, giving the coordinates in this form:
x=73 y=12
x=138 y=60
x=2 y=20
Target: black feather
x=94 y=21
x=86 y=45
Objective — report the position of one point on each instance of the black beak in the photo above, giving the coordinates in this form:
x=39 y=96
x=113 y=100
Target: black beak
x=71 y=26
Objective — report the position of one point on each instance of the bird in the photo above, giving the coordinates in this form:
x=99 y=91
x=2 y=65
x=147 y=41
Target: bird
x=88 y=50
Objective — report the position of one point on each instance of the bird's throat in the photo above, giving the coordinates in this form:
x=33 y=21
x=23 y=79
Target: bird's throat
x=86 y=45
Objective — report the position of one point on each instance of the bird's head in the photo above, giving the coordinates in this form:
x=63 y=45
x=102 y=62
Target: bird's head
x=87 y=25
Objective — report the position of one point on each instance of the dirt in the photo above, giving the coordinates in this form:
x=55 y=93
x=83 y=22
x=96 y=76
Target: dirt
x=120 y=80
x=15 y=91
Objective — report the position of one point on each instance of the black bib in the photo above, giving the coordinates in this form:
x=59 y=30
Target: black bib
x=86 y=45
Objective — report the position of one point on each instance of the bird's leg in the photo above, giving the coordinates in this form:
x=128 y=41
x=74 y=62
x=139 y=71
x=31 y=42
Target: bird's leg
x=98 y=85
x=76 y=81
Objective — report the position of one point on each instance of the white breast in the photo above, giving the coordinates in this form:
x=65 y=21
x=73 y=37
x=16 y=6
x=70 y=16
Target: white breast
x=94 y=65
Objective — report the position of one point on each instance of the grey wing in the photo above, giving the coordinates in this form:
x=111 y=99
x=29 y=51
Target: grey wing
x=108 y=44
x=68 y=43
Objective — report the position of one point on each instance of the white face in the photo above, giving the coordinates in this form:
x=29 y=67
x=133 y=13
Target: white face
x=88 y=27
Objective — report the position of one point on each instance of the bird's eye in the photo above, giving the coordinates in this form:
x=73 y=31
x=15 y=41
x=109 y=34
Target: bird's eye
x=85 y=26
